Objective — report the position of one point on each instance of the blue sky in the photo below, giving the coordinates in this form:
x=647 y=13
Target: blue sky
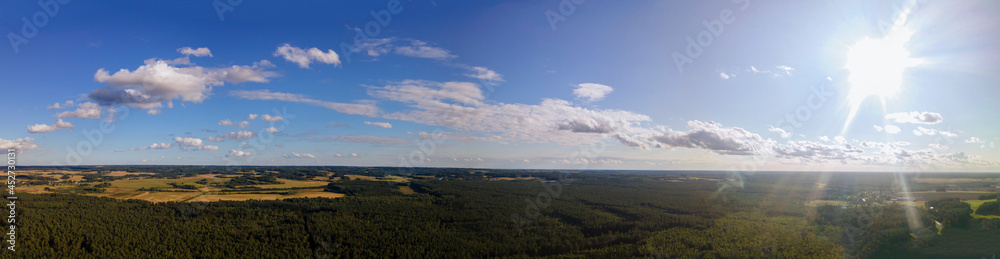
x=760 y=85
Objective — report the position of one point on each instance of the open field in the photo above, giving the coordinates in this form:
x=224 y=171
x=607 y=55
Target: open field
x=294 y=184
x=312 y=193
x=815 y=203
x=975 y=205
x=926 y=196
x=406 y=190
x=955 y=180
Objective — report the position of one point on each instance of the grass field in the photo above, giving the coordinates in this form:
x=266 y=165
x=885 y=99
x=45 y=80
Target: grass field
x=955 y=180
x=312 y=193
x=406 y=190
x=926 y=196
x=816 y=203
x=294 y=184
x=163 y=183
x=975 y=205
x=129 y=189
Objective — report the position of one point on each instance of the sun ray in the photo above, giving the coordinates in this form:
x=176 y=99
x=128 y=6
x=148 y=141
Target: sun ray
x=876 y=66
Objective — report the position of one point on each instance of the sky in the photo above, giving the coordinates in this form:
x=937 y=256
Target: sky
x=570 y=84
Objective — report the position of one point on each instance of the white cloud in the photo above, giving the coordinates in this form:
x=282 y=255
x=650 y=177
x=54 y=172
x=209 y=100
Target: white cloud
x=379 y=124
x=892 y=129
x=365 y=108
x=937 y=146
x=273 y=130
x=297 y=155
x=378 y=140
x=305 y=57
x=931 y=132
x=878 y=128
x=975 y=140
x=234 y=135
x=148 y=86
x=41 y=128
x=591 y=92
x=160 y=145
x=238 y=153
x=226 y=122
x=840 y=139
x=244 y=124
x=206 y=148
x=21 y=144
x=64 y=105
x=188 y=141
x=270 y=118
x=915 y=117
x=87 y=110
x=824 y=138
x=461 y=106
x=420 y=49
x=713 y=137
x=485 y=74
x=199 y=52
x=725 y=75
x=780 y=131
x=251 y=116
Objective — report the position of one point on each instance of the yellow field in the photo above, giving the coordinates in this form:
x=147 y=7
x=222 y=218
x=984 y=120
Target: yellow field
x=243 y=197
x=128 y=189
x=975 y=205
x=362 y=177
x=406 y=190
x=955 y=180
x=817 y=203
x=294 y=184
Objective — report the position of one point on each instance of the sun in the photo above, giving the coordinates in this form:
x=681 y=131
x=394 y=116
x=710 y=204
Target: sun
x=876 y=66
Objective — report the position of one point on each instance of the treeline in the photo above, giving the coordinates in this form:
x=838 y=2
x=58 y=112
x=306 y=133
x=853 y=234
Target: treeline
x=588 y=215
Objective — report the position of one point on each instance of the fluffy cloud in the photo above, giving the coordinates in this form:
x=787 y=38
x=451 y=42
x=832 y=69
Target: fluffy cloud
x=158 y=81
x=160 y=145
x=780 y=132
x=484 y=74
x=712 y=136
x=21 y=144
x=420 y=49
x=87 y=110
x=931 y=132
x=273 y=130
x=226 y=122
x=304 y=57
x=40 y=128
x=817 y=152
x=188 y=141
x=461 y=106
x=251 y=116
x=234 y=135
x=199 y=52
x=238 y=153
x=591 y=92
x=974 y=140
x=379 y=124
x=270 y=118
x=378 y=140
x=64 y=105
x=297 y=155
x=915 y=117
x=365 y=108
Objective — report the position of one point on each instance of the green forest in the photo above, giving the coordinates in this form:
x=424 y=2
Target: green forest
x=557 y=215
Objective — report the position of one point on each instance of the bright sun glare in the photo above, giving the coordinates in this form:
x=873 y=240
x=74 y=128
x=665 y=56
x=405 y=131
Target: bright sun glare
x=876 y=66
